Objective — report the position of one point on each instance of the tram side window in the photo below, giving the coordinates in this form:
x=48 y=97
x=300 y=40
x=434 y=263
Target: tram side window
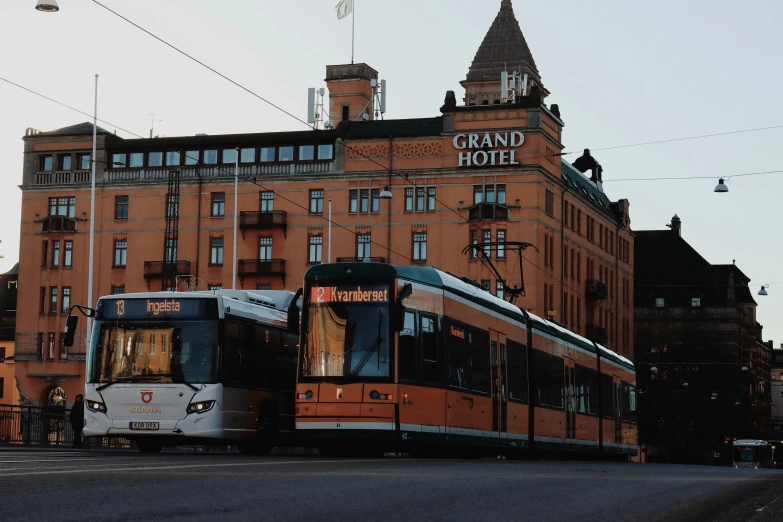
x=429 y=350
x=541 y=378
x=586 y=390
x=629 y=401
x=517 y=371
x=457 y=353
x=479 y=361
x=608 y=395
x=557 y=376
x=407 y=348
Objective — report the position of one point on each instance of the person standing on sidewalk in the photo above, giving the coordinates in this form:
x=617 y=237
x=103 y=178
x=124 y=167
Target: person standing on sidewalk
x=77 y=421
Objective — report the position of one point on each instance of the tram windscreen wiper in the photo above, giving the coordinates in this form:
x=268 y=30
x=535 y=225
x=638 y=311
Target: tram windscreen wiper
x=375 y=347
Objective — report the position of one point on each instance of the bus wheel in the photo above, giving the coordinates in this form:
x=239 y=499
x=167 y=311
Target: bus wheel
x=148 y=446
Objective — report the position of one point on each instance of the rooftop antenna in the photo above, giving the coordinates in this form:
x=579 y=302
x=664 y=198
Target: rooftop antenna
x=378 y=101
x=152 y=124
x=315 y=107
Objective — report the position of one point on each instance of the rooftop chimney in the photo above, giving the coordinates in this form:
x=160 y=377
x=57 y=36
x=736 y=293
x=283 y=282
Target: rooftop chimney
x=676 y=225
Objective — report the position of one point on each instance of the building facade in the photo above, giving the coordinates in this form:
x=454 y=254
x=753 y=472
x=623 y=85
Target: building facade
x=776 y=392
x=702 y=369
x=486 y=171
x=8 y=292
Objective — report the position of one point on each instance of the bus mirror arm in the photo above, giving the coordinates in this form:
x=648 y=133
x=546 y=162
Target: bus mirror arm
x=73 y=320
x=293 y=312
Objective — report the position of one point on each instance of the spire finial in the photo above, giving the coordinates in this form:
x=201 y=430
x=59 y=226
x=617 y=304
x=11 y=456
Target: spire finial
x=505 y=3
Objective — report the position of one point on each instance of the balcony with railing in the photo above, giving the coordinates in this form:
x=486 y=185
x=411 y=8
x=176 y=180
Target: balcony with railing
x=263 y=221
x=64 y=177
x=596 y=290
x=261 y=268
x=488 y=212
x=219 y=171
x=51 y=224
x=361 y=259
x=159 y=269
x=597 y=334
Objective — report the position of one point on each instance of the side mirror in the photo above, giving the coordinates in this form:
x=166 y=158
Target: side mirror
x=398 y=310
x=294 y=313
x=70 y=330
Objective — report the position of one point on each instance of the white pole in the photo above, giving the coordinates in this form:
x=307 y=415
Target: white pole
x=329 y=245
x=236 y=212
x=92 y=211
x=353 y=29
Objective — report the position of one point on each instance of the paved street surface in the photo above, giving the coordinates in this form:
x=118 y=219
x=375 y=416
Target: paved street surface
x=83 y=485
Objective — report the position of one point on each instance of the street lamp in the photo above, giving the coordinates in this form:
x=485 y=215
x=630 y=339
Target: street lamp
x=763 y=290
x=47 y=6
x=386 y=194
x=721 y=186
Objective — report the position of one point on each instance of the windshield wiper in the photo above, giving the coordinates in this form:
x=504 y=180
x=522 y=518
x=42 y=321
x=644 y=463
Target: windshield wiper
x=116 y=380
x=183 y=381
x=373 y=348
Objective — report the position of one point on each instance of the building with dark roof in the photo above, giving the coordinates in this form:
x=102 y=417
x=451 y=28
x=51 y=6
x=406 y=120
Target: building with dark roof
x=702 y=369
x=488 y=170
x=8 y=293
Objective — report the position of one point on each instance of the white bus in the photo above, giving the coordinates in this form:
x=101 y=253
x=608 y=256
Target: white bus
x=169 y=368
x=751 y=453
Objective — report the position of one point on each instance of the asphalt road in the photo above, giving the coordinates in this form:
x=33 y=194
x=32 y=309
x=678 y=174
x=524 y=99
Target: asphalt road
x=83 y=485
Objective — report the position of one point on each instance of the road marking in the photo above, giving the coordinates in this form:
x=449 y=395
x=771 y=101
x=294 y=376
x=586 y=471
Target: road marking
x=67 y=459
x=195 y=466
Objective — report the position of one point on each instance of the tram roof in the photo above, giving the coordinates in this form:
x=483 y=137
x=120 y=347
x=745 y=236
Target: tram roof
x=431 y=276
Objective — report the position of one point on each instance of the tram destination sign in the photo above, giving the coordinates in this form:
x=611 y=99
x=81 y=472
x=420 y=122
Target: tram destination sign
x=488 y=149
x=359 y=294
x=141 y=308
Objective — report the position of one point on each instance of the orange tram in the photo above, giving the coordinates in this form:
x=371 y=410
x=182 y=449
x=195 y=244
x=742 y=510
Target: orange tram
x=414 y=360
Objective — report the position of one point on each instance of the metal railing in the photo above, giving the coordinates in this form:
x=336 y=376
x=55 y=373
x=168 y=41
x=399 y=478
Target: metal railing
x=156 y=268
x=263 y=220
x=220 y=171
x=361 y=259
x=257 y=267
x=595 y=289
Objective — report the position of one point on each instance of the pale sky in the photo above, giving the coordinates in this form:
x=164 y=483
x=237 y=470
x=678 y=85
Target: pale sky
x=622 y=72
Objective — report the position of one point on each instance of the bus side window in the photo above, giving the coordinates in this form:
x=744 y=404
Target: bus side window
x=431 y=369
x=406 y=348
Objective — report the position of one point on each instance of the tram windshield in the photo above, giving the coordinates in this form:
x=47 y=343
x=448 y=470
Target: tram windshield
x=347 y=332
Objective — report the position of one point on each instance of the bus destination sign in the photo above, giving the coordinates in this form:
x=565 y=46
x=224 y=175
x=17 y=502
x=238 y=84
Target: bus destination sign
x=359 y=294
x=141 y=308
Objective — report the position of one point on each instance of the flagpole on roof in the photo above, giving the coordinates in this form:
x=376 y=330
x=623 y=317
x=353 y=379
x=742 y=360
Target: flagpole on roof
x=353 y=30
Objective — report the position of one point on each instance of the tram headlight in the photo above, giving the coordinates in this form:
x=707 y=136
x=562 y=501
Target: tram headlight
x=200 y=407
x=377 y=396
x=305 y=396
x=96 y=406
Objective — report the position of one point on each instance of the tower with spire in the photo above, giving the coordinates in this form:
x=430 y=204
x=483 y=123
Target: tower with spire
x=504 y=49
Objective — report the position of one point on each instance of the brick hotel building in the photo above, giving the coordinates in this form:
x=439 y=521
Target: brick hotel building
x=485 y=169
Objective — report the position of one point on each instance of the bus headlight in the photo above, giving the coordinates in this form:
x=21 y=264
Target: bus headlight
x=200 y=407
x=96 y=406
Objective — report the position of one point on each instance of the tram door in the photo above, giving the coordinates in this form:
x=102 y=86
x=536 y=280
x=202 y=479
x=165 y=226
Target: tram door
x=618 y=412
x=569 y=389
x=498 y=358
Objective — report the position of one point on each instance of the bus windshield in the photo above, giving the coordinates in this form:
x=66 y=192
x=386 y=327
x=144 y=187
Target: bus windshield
x=347 y=332
x=746 y=454
x=154 y=351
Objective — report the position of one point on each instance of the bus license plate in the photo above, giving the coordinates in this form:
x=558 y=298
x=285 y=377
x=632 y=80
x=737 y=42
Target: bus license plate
x=145 y=426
